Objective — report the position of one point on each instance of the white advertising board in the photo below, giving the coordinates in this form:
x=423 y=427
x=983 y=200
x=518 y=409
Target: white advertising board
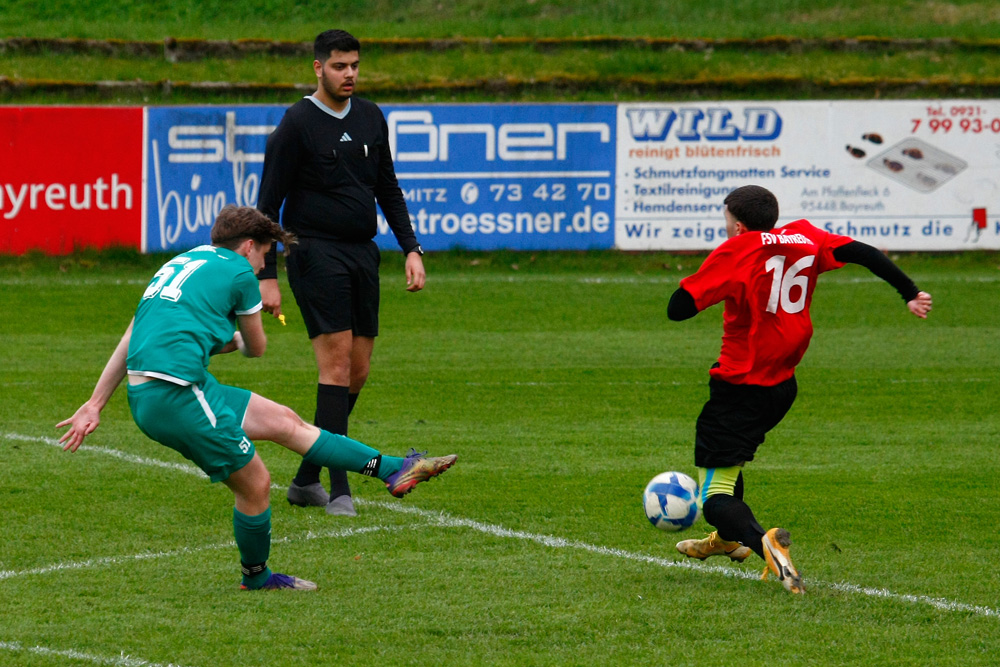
x=900 y=175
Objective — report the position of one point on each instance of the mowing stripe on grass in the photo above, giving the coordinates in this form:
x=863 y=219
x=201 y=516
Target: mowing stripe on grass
x=446 y=520
x=121 y=660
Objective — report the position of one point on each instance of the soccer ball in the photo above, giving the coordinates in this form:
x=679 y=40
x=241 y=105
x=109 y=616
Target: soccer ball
x=671 y=501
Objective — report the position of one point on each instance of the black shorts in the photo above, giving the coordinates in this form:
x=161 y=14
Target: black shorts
x=735 y=419
x=336 y=285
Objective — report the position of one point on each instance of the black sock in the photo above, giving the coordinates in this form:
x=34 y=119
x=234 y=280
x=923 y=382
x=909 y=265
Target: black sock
x=307 y=474
x=735 y=521
x=338 y=478
x=331 y=415
x=332 y=407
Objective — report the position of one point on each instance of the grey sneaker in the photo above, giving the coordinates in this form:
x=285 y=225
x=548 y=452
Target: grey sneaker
x=310 y=495
x=341 y=506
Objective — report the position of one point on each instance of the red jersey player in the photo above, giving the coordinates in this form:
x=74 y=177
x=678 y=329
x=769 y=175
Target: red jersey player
x=766 y=277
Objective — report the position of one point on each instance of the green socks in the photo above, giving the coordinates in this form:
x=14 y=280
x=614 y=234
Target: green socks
x=253 y=539
x=338 y=451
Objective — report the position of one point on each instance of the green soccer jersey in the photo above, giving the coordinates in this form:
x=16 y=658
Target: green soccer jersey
x=189 y=311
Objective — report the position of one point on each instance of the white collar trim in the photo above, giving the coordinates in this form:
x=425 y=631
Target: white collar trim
x=336 y=114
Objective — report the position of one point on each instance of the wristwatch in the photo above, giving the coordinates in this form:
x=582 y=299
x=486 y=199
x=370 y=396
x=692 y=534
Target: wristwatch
x=418 y=250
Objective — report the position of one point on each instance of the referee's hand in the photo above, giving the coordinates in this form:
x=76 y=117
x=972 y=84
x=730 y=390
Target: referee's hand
x=415 y=274
x=270 y=296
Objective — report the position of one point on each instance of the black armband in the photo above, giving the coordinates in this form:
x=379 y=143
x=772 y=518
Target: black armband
x=681 y=306
x=875 y=261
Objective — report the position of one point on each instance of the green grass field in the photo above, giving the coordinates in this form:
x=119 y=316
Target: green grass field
x=563 y=388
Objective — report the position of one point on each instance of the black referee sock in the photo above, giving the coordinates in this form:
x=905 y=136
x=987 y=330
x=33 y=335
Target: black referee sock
x=333 y=404
x=331 y=415
x=735 y=521
x=307 y=474
x=338 y=478
x=338 y=483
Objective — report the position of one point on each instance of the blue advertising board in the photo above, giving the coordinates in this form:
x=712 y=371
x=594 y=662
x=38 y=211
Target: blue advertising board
x=198 y=159
x=492 y=176
x=477 y=176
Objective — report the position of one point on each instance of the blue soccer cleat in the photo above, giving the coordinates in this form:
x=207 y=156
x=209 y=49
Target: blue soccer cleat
x=282 y=581
x=417 y=467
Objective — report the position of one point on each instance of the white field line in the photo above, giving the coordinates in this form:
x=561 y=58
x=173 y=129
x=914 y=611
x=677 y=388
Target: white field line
x=613 y=279
x=448 y=521
x=558 y=542
x=186 y=551
x=528 y=385
x=699 y=382
x=264 y=382
x=117 y=661
x=44 y=281
x=131 y=458
x=622 y=279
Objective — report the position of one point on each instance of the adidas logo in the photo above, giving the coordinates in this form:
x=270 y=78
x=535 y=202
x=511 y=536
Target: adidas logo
x=346 y=137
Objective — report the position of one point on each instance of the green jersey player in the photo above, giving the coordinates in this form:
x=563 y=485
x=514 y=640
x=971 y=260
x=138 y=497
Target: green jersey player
x=190 y=311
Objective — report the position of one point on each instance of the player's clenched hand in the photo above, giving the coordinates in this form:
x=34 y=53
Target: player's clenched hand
x=81 y=424
x=415 y=274
x=920 y=305
x=270 y=296
x=235 y=344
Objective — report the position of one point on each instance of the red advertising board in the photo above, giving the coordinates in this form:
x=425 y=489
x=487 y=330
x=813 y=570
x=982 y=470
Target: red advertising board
x=70 y=177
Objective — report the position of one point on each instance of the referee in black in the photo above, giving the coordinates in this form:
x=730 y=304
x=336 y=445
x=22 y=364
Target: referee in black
x=328 y=162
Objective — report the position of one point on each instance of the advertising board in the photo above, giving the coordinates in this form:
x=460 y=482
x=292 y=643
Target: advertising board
x=516 y=176
x=896 y=175
x=198 y=159
x=70 y=177
x=899 y=175
x=486 y=176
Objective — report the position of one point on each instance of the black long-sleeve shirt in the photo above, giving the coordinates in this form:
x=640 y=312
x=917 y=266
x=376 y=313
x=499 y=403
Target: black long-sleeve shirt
x=329 y=171
x=682 y=306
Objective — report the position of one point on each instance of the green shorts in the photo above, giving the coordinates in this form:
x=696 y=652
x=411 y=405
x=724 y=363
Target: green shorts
x=203 y=422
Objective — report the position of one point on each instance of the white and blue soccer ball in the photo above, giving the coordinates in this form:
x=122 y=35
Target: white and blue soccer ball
x=671 y=501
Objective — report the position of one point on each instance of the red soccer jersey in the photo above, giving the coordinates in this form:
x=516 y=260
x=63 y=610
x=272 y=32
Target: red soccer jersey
x=767 y=281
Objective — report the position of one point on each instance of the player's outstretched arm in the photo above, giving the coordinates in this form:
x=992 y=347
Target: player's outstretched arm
x=920 y=305
x=876 y=261
x=88 y=417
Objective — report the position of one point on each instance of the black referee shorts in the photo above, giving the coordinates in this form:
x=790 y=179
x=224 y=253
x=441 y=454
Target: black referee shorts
x=336 y=285
x=736 y=418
